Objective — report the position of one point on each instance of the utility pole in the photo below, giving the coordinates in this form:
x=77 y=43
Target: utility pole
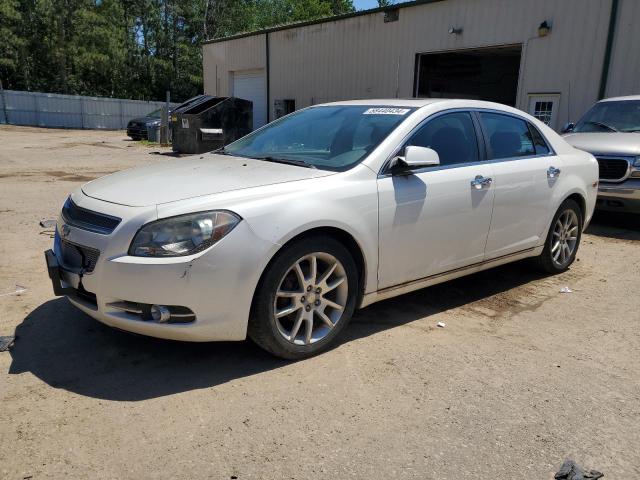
x=4 y=104
x=164 y=122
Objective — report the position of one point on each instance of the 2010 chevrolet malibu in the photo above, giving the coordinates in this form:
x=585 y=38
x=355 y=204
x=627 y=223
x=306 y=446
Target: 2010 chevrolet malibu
x=282 y=234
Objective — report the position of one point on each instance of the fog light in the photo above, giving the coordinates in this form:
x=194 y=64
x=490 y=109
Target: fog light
x=160 y=313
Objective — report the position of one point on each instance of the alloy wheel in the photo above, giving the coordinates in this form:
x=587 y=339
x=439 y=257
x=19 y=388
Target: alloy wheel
x=311 y=298
x=565 y=238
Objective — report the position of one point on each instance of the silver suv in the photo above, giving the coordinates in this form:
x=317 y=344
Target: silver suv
x=610 y=131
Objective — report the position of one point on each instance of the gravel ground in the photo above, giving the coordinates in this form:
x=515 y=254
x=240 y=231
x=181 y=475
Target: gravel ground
x=521 y=377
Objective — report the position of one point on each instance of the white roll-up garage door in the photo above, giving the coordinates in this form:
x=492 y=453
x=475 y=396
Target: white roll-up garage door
x=252 y=86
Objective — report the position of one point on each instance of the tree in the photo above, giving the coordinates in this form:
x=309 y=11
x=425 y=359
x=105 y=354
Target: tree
x=10 y=41
x=130 y=48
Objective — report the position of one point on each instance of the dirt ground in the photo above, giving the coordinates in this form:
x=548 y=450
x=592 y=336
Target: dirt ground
x=521 y=377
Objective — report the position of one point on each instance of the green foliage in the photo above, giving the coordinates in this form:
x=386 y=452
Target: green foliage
x=10 y=41
x=130 y=48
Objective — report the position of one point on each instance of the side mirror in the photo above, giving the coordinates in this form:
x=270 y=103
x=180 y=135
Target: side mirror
x=568 y=128
x=415 y=157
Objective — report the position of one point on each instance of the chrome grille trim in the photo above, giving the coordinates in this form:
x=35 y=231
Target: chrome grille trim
x=88 y=220
x=613 y=168
x=129 y=307
x=141 y=311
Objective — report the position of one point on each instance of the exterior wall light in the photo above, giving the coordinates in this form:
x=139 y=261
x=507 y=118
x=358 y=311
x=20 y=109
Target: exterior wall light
x=544 y=29
x=455 y=30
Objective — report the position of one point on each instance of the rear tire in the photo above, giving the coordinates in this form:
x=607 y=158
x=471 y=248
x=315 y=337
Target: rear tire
x=563 y=239
x=305 y=298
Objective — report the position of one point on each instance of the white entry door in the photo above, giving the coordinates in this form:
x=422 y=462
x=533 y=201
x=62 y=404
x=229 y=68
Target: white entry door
x=544 y=107
x=252 y=85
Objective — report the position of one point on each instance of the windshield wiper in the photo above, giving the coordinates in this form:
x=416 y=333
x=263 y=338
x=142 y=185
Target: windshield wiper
x=288 y=161
x=604 y=125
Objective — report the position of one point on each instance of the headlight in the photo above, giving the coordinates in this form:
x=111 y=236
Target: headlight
x=636 y=163
x=182 y=235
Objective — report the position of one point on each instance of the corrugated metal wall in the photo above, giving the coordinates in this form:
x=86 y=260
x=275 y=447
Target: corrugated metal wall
x=624 y=77
x=70 y=111
x=364 y=57
x=219 y=63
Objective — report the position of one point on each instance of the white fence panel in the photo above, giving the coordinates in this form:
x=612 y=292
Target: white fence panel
x=70 y=111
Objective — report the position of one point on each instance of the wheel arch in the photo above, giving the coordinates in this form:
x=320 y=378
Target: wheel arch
x=344 y=237
x=581 y=201
x=575 y=195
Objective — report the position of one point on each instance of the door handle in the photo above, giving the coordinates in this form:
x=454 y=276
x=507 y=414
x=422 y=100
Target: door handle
x=553 y=172
x=481 y=182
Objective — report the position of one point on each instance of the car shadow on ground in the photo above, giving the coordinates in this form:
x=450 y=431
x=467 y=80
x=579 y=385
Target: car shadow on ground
x=622 y=226
x=67 y=349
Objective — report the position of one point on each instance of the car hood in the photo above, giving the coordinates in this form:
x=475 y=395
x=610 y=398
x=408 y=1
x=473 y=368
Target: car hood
x=192 y=177
x=606 y=143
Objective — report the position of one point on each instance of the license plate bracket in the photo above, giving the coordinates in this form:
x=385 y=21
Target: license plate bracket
x=57 y=274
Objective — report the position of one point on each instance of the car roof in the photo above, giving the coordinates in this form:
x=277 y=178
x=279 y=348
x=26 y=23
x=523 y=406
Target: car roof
x=621 y=99
x=388 y=102
x=423 y=102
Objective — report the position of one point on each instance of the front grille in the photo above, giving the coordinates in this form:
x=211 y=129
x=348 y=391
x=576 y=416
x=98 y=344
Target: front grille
x=613 y=168
x=137 y=129
x=88 y=220
x=78 y=257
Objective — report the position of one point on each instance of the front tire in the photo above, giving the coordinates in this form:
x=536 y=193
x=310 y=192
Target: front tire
x=305 y=298
x=563 y=239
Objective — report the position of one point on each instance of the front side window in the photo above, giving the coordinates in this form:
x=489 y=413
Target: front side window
x=508 y=136
x=331 y=138
x=452 y=135
x=619 y=116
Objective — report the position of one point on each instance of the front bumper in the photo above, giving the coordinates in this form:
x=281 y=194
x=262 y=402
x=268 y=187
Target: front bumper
x=137 y=131
x=623 y=196
x=217 y=285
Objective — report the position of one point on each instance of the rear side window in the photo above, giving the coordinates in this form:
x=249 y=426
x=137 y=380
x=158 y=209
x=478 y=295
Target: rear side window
x=508 y=136
x=452 y=135
x=539 y=142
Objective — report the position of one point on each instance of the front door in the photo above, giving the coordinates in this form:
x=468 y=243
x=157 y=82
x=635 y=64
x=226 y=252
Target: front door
x=435 y=220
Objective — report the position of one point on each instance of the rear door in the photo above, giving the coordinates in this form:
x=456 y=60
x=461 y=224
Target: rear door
x=524 y=178
x=435 y=219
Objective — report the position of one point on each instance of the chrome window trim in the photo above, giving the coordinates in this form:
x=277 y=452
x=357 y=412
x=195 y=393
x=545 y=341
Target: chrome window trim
x=482 y=147
x=551 y=153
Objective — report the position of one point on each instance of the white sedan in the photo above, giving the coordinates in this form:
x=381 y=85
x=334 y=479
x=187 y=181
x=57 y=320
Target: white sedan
x=282 y=234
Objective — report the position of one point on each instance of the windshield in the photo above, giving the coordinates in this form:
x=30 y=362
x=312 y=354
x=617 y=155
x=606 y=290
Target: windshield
x=155 y=114
x=622 y=116
x=329 y=138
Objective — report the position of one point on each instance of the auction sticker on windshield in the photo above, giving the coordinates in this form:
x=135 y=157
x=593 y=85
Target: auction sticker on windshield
x=386 y=111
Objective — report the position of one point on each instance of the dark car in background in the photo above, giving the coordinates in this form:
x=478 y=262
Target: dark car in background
x=138 y=128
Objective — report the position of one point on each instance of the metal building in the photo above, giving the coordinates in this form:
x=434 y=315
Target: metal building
x=552 y=58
